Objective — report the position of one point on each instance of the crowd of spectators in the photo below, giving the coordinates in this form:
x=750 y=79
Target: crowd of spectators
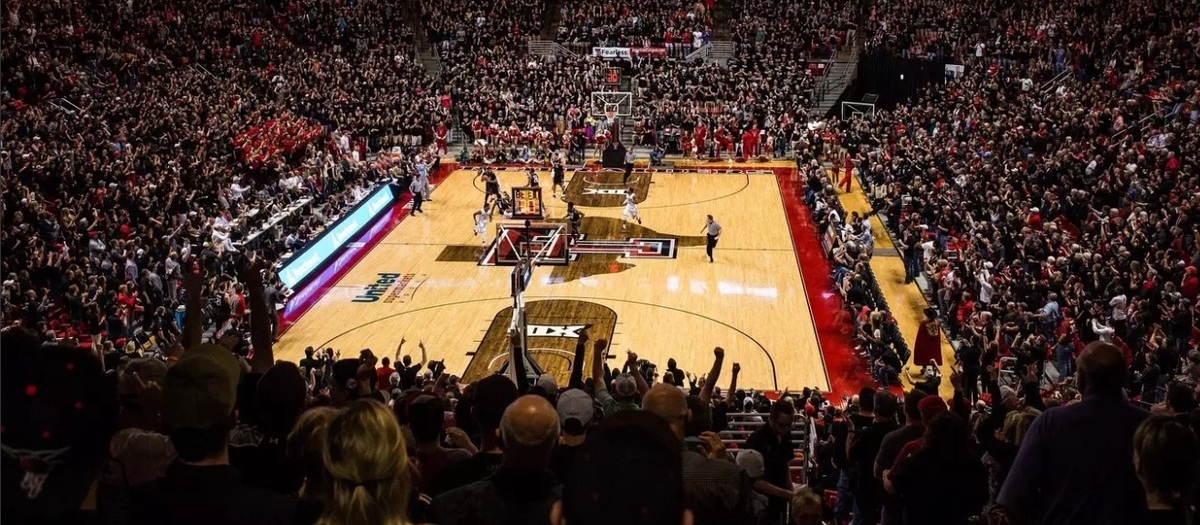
x=1058 y=229
x=479 y=26
x=670 y=24
x=782 y=31
x=1045 y=219
x=1050 y=215
x=207 y=436
x=138 y=136
x=677 y=98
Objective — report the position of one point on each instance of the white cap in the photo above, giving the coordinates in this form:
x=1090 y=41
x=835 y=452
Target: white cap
x=751 y=461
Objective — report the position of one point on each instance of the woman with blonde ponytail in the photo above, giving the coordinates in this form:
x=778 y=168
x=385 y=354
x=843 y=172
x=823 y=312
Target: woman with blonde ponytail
x=368 y=467
x=1165 y=457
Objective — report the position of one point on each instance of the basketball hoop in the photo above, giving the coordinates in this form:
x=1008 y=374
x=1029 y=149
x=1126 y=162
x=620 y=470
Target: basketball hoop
x=611 y=110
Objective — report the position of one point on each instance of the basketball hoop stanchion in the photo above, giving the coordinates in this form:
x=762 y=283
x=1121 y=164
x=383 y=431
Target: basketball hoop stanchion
x=518 y=342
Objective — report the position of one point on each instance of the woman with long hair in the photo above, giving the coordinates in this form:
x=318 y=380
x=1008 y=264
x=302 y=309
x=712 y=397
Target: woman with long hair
x=305 y=446
x=1000 y=445
x=1165 y=455
x=367 y=461
x=944 y=482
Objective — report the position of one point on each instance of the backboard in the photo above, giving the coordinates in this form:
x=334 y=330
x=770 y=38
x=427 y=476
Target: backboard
x=618 y=102
x=542 y=243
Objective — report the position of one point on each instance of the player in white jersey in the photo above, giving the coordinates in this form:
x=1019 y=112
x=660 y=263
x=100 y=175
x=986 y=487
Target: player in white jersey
x=631 y=209
x=482 y=217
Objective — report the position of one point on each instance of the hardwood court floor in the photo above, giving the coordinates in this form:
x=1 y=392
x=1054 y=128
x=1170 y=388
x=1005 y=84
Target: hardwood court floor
x=752 y=301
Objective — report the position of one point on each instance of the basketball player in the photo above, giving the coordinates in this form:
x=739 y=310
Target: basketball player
x=629 y=158
x=482 y=217
x=631 y=209
x=575 y=218
x=559 y=175
x=712 y=231
x=504 y=204
x=533 y=177
x=491 y=185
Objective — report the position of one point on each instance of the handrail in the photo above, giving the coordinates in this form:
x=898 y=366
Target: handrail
x=541 y=47
x=1049 y=84
x=701 y=53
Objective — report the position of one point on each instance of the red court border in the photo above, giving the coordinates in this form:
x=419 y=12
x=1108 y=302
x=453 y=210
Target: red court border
x=309 y=294
x=846 y=371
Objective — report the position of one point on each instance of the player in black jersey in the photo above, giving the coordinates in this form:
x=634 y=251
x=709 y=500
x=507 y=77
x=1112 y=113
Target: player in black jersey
x=559 y=174
x=575 y=218
x=491 y=184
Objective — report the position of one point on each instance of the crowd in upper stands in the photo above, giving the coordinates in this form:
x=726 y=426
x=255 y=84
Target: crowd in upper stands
x=1050 y=217
x=1048 y=200
x=1055 y=219
x=674 y=23
x=776 y=29
x=138 y=137
x=479 y=26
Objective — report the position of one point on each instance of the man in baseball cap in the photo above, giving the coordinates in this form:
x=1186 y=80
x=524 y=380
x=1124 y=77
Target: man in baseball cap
x=624 y=395
x=59 y=411
x=199 y=409
x=576 y=409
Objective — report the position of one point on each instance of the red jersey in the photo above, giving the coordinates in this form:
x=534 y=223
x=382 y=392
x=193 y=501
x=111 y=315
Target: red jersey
x=722 y=135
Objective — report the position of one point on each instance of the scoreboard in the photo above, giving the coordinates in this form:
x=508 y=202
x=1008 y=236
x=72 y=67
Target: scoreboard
x=527 y=203
x=612 y=76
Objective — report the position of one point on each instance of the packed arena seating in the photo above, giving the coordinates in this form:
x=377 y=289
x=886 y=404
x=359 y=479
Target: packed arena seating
x=1041 y=224
x=481 y=25
x=1055 y=220
x=677 y=97
x=674 y=23
x=792 y=31
x=184 y=138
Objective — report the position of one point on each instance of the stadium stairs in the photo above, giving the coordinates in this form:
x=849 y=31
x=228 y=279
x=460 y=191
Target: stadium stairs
x=551 y=19
x=837 y=79
x=721 y=15
x=802 y=468
x=425 y=52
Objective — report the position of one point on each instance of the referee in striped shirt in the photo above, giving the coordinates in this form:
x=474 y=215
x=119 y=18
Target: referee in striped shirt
x=712 y=231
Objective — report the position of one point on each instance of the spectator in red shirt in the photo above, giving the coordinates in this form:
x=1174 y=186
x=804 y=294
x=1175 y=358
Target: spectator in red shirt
x=1035 y=219
x=238 y=302
x=1190 y=286
x=383 y=374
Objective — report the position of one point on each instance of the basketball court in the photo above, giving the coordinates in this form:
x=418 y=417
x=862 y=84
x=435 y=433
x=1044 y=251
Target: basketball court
x=650 y=290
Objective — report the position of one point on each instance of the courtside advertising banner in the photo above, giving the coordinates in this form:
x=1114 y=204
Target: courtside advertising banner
x=648 y=52
x=312 y=259
x=611 y=53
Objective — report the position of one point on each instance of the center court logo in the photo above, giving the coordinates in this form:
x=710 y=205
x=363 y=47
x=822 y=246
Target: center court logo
x=388 y=287
x=552 y=329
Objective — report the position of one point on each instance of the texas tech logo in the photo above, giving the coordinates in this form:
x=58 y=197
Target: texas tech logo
x=570 y=332
x=552 y=331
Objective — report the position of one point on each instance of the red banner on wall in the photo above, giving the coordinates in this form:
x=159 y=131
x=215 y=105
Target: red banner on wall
x=648 y=52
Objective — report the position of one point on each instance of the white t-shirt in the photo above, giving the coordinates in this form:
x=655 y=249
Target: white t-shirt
x=236 y=191
x=1118 y=305
x=985 y=289
x=1104 y=332
x=979 y=50
x=927 y=248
